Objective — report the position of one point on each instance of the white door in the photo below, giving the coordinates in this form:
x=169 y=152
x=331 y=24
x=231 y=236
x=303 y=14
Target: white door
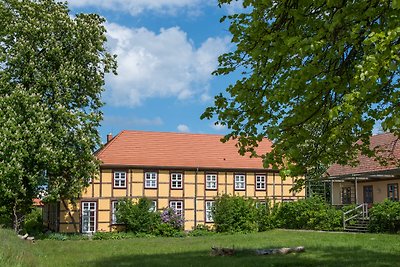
x=88 y=217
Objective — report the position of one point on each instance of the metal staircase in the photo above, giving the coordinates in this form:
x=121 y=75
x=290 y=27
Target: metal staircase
x=356 y=220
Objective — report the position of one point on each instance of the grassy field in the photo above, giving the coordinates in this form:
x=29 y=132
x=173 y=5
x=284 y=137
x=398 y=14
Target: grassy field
x=322 y=249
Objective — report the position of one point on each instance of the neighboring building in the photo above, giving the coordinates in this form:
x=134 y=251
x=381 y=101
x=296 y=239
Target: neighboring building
x=178 y=170
x=369 y=182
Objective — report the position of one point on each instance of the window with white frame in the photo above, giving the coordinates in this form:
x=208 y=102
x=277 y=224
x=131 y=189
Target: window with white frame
x=153 y=206
x=211 y=181
x=209 y=214
x=177 y=206
x=260 y=182
x=114 y=205
x=176 y=180
x=150 y=180
x=119 y=179
x=240 y=182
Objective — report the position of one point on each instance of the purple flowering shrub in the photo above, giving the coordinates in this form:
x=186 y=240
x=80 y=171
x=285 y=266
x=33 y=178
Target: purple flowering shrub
x=171 y=217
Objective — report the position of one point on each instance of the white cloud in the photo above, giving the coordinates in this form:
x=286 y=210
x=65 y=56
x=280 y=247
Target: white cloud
x=219 y=127
x=183 y=128
x=136 y=7
x=164 y=64
x=130 y=121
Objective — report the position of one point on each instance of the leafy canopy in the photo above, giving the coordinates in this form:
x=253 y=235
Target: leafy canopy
x=52 y=68
x=316 y=76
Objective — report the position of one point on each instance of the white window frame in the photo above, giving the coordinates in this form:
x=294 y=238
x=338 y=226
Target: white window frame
x=176 y=180
x=114 y=204
x=261 y=185
x=240 y=181
x=119 y=179
x=177 y=206
x=211 y=181
x=208 y=211
x=150 y=179
x=153 y=205
x=91 y=207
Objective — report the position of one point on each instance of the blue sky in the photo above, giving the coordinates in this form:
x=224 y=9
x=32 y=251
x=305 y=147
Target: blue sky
x=166 y=52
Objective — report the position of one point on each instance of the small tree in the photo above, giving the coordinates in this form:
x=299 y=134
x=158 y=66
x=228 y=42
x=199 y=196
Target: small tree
x=137 y=217
x=234 y=214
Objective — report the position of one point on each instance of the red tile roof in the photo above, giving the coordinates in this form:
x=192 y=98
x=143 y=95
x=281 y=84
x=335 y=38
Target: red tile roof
x=387 y=141
x=37 y=202
x=177 y=150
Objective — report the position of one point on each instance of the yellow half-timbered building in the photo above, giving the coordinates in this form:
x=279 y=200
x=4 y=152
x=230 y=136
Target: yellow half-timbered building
x=178 y=170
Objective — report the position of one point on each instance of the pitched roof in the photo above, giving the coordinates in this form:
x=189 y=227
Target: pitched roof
x=177 y=150
x=387 y=141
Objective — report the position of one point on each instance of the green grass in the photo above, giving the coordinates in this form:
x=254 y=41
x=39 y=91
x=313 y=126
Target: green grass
x=322 y=249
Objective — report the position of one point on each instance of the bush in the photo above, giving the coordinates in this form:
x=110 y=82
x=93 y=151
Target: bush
x=312 y=213
x=265 y=220
x=169 y=216
x=33 y=223
x=201 y=230
x=137 y=217
x=385 y=217
x=234 y=214
x=165 y=229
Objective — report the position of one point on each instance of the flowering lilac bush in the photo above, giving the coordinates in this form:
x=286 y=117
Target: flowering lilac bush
x=171 y=217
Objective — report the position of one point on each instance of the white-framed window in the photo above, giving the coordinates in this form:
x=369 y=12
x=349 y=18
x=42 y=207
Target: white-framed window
x=177 y=206
x=240 y=182
x=150 y=180
x=120 y=179
x=176 y=180
x=113 y=211
x=153 y=205
x=89 y=217
x=209 y=214
x=260 y=181
x=211 y=181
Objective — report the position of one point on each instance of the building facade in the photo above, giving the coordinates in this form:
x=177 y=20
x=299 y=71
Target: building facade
x=369 y=182
x=178 y=170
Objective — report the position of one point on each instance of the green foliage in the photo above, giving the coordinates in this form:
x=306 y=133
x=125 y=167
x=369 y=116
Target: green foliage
x=137 y=217
x=234 y=214
x=385 y=217
x=201 y=230
x=33 y=222
x=52 y=67
x=312 y=213
x=315 y=76
x=265 y=219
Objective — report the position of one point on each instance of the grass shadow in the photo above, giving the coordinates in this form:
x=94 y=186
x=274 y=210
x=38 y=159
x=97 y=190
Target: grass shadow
x=313 y=256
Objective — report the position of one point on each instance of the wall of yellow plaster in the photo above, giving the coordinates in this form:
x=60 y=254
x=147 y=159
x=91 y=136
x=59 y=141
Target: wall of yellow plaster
x=103 y=193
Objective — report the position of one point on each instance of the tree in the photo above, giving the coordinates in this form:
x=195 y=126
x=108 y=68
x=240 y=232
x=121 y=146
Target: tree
x=316 y=77
x=52 y=68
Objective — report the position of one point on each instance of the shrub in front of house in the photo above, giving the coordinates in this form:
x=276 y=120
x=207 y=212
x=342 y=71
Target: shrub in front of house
x=264 y=214
x=33 y=222
x=385 y=217
x=137 y=217
x=312 y=213
x=234 y=214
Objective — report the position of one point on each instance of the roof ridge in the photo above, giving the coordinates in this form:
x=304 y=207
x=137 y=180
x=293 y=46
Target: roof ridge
x=180 y=133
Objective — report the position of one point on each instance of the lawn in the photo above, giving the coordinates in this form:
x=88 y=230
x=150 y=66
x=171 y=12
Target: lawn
x=322 y=249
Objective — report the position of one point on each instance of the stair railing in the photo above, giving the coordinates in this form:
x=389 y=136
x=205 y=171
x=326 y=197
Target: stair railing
x=359 y=211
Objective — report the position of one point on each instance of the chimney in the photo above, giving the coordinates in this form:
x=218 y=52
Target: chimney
x=109 y=137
